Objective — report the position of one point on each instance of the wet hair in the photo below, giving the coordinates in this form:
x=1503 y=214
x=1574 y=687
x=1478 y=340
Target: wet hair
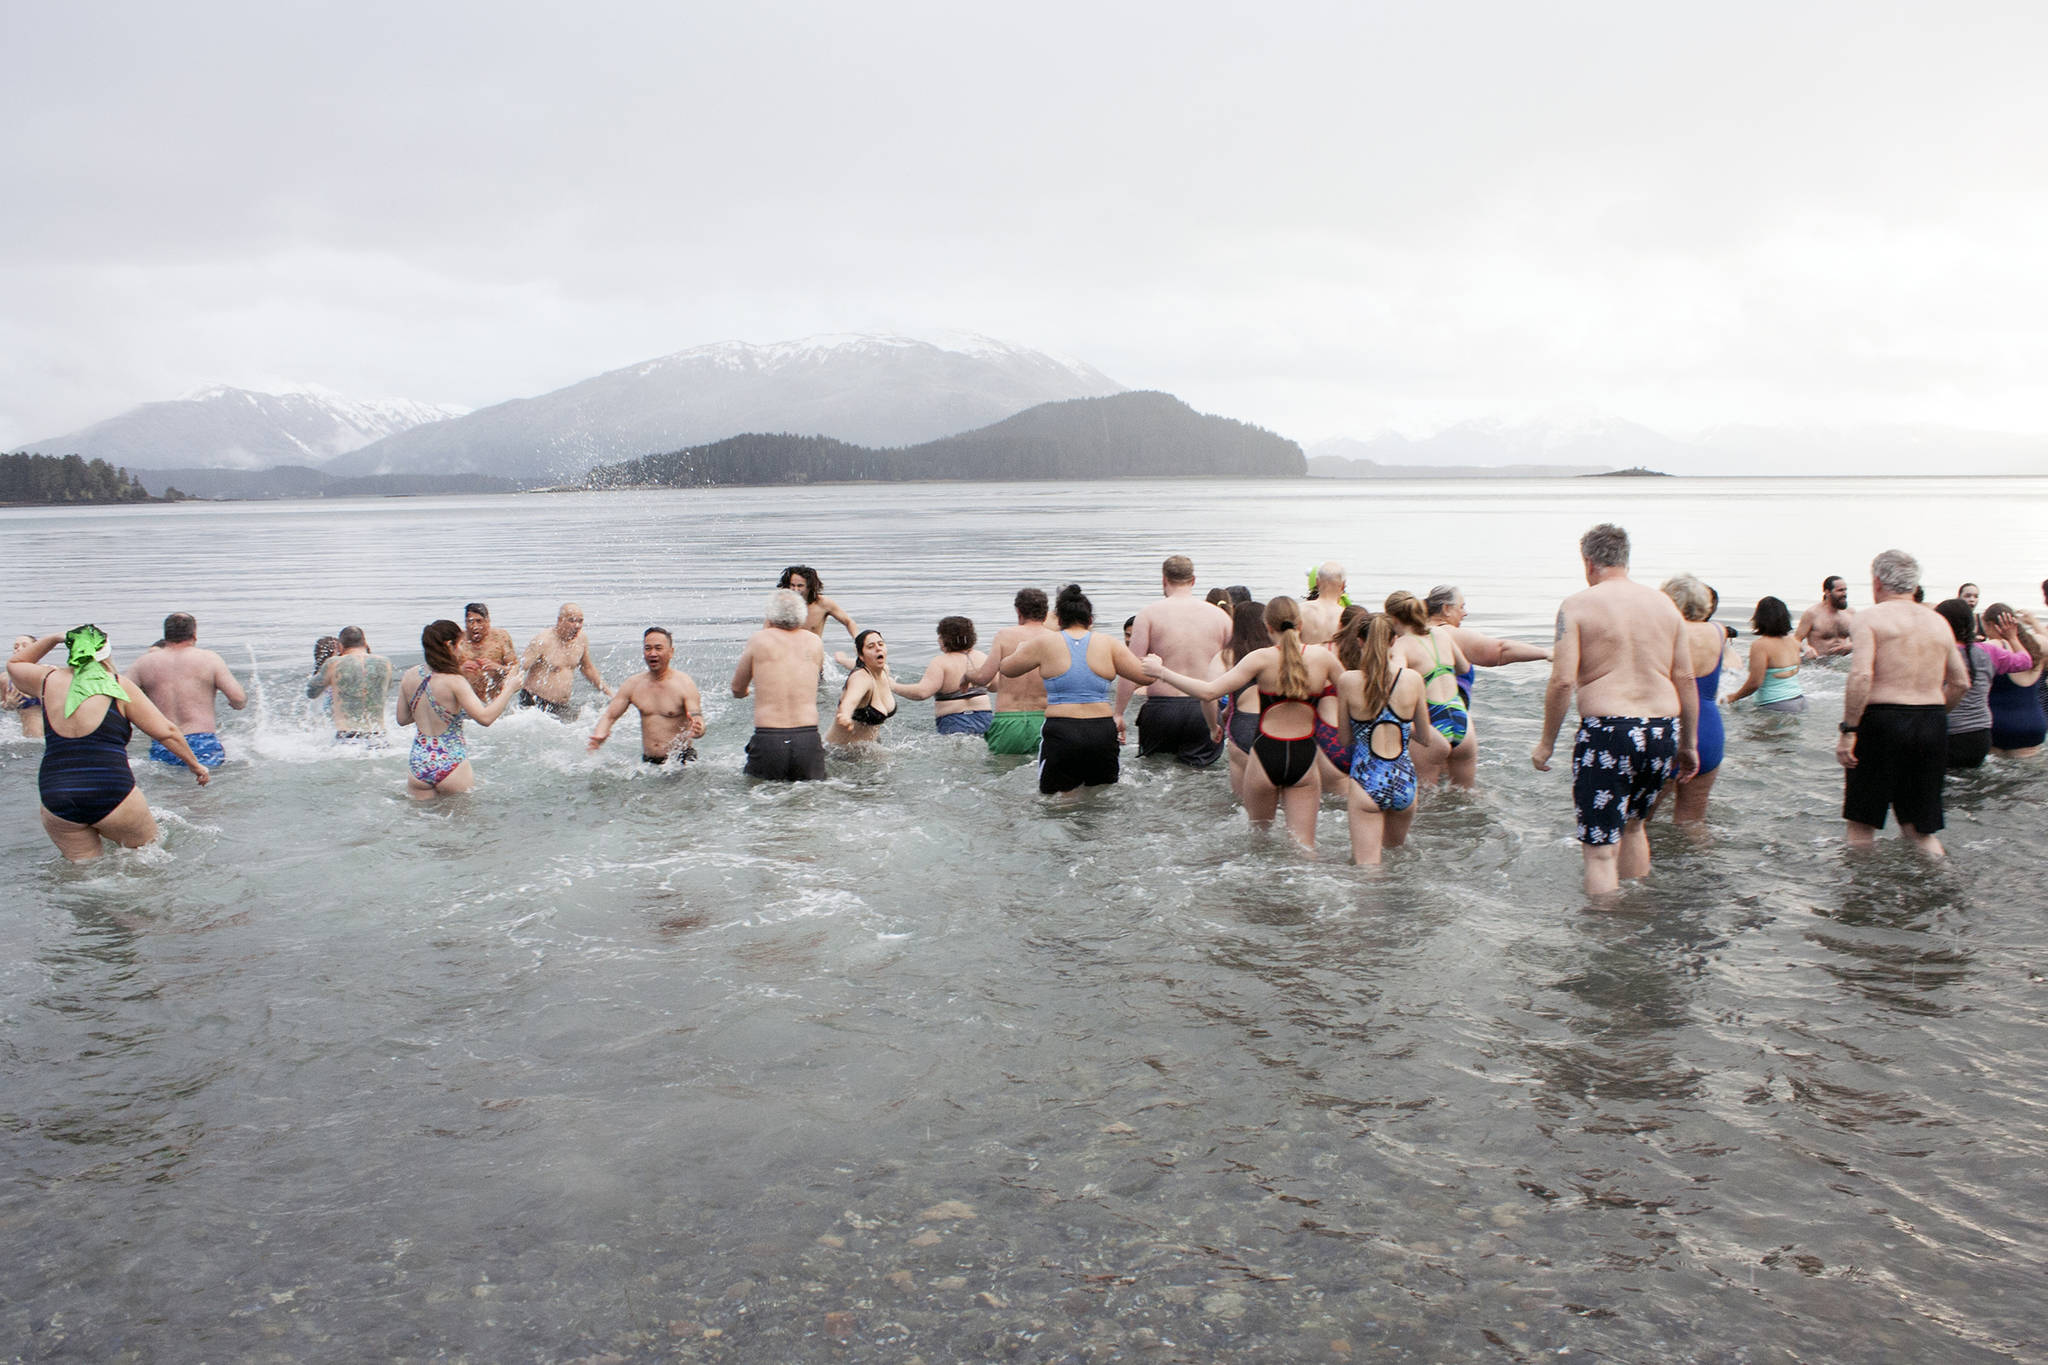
x=1178 y=569
x=1407 y=609
x=476 y=609
x=812 y=587
x=1998 y=613
x=956 y=634
x=325 y=648
x=1440 y=598
x=1771 y=617
x=1961 y=620
x=1896 y=571
x=1218 y=597
x=1689 y=595
x=1959 y=591
x=1827 y=585
x=657 y=630
x=1248 y=630
x=1283 y=618
x=180 y=627
x=437 y=642
x=1350 y=614
x=785 y=610
x=1605 y=546
x=352 y=637
x=860 y=643
x=1072 y=607
x=1240 y=593
x=1030 y=604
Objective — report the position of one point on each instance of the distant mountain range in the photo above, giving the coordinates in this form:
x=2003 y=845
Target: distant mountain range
x=1125 y=435
x=226 y=428
x=869 y=390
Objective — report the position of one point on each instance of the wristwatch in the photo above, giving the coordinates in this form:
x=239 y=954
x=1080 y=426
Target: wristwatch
x=1846 y=728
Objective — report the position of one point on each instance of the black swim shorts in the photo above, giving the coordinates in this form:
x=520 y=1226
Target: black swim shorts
x=1619 y=765
x=1901 y=759
x=796 y=754
x=686 y=754
x=1076 y=753
x=531 y=701
x=1174 y=725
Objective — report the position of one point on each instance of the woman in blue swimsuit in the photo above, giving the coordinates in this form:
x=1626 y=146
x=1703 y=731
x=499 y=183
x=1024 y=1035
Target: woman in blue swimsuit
x=1707 y=643
x=1387 y=707
x=434 y=698
x=88 y=791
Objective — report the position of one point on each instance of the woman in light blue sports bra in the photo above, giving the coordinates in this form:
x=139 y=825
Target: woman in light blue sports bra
x=1773 y=661
x=1079 y=745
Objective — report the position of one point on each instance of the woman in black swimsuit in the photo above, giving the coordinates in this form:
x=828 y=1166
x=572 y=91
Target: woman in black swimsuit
x=88 y=791
x=1241 y=711
x=869 y=698
x=1289 y=679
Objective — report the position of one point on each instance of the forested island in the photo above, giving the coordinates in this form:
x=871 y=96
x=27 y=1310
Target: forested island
x=1123 y=436
x=32 y=479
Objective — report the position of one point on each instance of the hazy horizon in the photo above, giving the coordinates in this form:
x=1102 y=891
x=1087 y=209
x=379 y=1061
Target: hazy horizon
x=1331 y=223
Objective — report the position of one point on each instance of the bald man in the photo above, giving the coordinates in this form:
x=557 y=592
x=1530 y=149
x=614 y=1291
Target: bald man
x=551 y=661
x=1321 y=614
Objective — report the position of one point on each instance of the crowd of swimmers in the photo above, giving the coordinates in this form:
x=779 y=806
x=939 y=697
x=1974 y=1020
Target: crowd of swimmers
x=1302 y=699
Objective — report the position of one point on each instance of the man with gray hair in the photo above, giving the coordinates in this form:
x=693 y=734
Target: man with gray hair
x=780 y=666
x=1904 y=673
x=1621 y=647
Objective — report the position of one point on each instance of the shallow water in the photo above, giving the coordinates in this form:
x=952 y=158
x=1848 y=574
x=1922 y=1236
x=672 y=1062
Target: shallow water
x=914 y=1062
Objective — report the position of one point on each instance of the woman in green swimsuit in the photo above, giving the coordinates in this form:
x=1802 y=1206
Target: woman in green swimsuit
x=1433 y=652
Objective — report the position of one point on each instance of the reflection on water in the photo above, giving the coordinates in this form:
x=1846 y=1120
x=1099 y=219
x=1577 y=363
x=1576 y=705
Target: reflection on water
x=608 y=1063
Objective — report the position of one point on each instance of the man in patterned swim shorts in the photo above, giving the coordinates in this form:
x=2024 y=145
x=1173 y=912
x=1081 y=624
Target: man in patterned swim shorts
x=1621 y=649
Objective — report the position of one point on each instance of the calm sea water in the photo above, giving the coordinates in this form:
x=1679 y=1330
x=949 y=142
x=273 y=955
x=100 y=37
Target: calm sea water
x=603 y=1062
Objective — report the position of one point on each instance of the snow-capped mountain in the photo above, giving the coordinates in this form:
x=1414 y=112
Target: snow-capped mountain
x=228 y=428
x=870 y=390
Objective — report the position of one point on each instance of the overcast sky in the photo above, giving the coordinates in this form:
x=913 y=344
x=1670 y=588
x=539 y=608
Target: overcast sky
x=1324 y=219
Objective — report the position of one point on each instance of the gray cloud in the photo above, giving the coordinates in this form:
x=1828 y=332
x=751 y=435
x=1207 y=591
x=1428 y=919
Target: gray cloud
x=1320 y=218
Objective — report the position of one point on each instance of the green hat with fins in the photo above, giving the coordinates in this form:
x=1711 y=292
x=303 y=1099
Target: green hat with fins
x=90 y=676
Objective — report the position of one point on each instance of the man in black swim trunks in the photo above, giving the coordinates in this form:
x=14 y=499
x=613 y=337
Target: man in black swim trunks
x=1187 y=634
x=671 y=711
x=551 y=662
x=779 y=667
x=1904 y=673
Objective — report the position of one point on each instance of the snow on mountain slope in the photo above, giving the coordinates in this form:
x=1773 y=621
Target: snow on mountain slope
x=230 y=428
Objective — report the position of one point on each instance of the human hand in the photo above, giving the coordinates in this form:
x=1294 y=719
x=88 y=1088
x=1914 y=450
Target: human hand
x=1154 y=666
x=597 y=741
x=1121 y=738
x=696 y=727
x=1540 y=756
x=1688 y=764
x=1845 y=751
x=200 y=775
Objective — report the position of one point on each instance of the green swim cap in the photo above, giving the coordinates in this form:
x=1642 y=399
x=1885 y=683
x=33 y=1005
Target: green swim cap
x=88 y=651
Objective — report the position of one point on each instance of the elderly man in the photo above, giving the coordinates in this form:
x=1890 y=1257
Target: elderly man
x=1904 y=673
x=1621 y=647
x=671 y=711
x=551 y=661
x=1187 y=634
x=1323 y=613
x=181 y=679
x=779 y=668
x=486 y=652
x=359 y=680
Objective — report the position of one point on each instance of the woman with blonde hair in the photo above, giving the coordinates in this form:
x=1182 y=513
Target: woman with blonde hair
x=1432 y=651
x=1708 y=643
x=1387 y=707
x=1289 y=679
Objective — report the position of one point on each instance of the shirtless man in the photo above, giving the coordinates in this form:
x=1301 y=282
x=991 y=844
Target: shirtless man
x=1621 y=646
x=780 y=666
x=486 y=651
x=1187 y=634
x=1020 y=701
x=360 y=680
x=671 y=711
x=803 y=580
x=181 y=680
x=1320 y=615
x=551 y=660
x=1824 y=627
x=1904 y=673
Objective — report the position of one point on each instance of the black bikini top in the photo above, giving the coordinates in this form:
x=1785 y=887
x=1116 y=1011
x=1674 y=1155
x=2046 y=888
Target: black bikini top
x=868 y=715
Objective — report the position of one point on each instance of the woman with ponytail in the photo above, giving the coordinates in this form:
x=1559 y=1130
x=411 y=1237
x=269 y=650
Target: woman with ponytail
x=1080 y=742
x=1289 y=679
x=1386 y=705
x=440 y=754
x=1433 y=652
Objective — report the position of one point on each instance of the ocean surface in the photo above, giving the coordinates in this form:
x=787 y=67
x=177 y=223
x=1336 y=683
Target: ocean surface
x=602 y=1062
